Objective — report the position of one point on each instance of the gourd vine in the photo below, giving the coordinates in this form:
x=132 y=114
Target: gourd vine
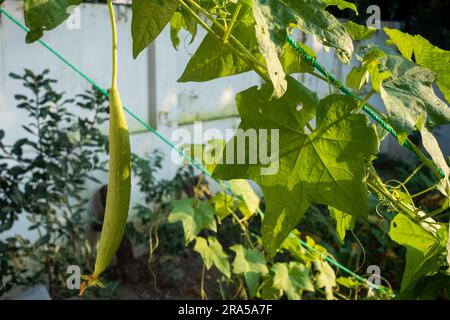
x=327 y=150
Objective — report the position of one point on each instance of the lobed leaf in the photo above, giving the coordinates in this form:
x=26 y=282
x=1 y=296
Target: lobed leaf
x=326 y=166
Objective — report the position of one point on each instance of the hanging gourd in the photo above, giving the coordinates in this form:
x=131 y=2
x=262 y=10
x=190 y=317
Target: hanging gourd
x=119 y=180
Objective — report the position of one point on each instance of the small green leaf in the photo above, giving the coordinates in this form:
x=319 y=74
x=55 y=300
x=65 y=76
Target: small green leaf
x=344 y=222
x=295 y=63
x=44 y=15
x=223 y=204
x=357 y=78
x=325 y=277
x=248 y=260
x=292 y=279
x=212 y=253
x=149 y=19
x=423 y=251
x=342 y=5
x=359 y=32
x=250 y=204
x=195 y=216
x=176 y=23
x=251 y=264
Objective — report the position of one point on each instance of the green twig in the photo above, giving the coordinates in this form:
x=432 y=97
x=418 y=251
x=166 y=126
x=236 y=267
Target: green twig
x=233 y=21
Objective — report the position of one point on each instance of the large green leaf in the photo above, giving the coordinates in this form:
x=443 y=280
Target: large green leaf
x=195 y=216
x=408 y=95
x=43 y=15
x=149 y=19
x=250 y=263
x=292 y=279
x=423 y=251
x=326 y=166
x=214 y=60
x=312 y=18
x=424 y=54
x=212 y=253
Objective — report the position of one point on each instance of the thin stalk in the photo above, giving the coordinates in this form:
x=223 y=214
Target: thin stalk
x=243 y=228
x=366 y=98
x=434 y=213
x=114 y=43
x=233 y=21
x=423 y=191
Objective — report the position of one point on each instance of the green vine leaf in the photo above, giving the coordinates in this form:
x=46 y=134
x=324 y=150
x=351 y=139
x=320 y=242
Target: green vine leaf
x=344 y=222
x=292 y=279
x=44 y=15
x=359 y=32
x=213 y=60
x=409 y=94
x=212 y=253
x=250 y=200
x=432 y=146
x=272 y=19
x=223 y=204
x=326 y=166
x=312 y=18
x=424 y=251
x=194 y=215
x=342 y=5
x=325 y=277
x=149 y=19
x=424 y=54
x=295 y=63
x=251 y=264
x=372 y=67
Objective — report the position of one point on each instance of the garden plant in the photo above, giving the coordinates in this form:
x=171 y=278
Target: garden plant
x=327 y=147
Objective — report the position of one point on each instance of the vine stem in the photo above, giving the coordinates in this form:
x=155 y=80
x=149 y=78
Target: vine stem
x=233 y=21
x=114 y=43
x=380 y=190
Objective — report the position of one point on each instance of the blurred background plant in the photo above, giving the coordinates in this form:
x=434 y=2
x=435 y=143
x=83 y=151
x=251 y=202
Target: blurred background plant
x=42 y=178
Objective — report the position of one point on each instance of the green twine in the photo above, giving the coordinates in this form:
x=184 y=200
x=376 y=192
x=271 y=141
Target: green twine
x=365 y=107
x=181 y=152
